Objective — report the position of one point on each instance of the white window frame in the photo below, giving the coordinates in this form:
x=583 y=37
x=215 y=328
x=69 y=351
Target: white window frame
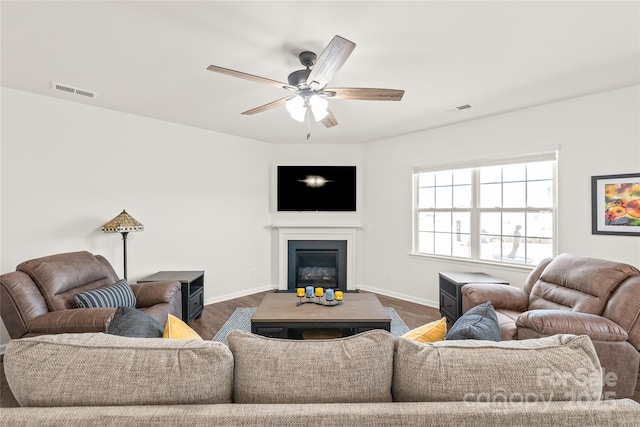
x=550 y=154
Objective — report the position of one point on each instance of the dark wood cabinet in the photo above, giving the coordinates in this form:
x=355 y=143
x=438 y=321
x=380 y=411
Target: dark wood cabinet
x=451 y=291
x=192 y=290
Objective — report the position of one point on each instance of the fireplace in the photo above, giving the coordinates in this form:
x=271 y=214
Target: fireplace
x=292 y=233
x=317 y=263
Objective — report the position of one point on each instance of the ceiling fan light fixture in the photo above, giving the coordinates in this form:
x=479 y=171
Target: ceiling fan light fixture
x=297 y=108
x=319 y=107
x=319 y=114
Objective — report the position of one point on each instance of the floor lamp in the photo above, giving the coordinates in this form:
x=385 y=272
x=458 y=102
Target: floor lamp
x=123 y=224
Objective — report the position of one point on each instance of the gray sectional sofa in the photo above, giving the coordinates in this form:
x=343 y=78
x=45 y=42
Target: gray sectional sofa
x=369 y=379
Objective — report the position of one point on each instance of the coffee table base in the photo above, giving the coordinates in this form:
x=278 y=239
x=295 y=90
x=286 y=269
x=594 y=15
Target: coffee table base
x=296 y=330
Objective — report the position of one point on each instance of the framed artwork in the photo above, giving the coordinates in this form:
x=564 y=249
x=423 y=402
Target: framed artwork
x=615 y=204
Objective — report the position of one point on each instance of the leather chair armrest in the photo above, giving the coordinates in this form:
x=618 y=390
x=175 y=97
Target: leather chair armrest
x=152 y=293
x=74 y=320
x=551 y=322
x=501 y=296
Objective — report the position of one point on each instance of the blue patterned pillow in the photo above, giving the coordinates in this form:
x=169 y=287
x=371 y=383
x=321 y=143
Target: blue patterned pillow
x=117 y=295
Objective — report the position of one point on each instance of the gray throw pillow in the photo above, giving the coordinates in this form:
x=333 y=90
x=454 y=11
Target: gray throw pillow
x=130 y=322
x=479 y=323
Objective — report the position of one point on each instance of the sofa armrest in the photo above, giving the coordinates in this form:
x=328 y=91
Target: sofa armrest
x=551 y=322
x=152 y=293
x=501 y=296
x=75 y=320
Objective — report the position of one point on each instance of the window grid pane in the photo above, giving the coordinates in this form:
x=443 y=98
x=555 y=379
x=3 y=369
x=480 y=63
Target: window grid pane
x=511 y=222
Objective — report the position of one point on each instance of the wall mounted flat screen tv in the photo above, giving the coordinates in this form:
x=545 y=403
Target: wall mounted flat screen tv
x=316 y=188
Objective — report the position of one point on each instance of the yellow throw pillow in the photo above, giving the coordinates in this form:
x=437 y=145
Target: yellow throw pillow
x=177 y=329
x=431 y=332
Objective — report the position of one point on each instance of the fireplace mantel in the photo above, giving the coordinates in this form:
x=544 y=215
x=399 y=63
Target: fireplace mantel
x=288 y=232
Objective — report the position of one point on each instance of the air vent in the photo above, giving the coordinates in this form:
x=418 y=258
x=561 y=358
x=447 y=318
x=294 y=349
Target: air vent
x=70 y=89
x=458 y=108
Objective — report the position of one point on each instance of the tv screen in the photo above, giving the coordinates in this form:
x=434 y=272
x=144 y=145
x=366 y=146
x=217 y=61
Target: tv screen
x=316 y=188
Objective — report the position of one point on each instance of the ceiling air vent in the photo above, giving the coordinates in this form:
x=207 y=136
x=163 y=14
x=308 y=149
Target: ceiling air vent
x=70 y=89
x=458 y=108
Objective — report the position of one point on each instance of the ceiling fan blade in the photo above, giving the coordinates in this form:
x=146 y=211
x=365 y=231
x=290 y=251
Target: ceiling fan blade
x=246 y=76
x=330 y=61
x=266 y=107
x=366 y=93
x=330 y=120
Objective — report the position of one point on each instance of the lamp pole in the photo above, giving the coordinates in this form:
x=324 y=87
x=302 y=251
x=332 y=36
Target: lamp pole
x=124 y=241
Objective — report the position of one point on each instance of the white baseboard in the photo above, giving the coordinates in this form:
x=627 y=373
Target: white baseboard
x=244 y=293
x=397 y=295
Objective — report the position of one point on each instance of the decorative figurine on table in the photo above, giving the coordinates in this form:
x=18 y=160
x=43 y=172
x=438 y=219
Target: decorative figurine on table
x=338 y=297
x=304 y=293
x=331 y=297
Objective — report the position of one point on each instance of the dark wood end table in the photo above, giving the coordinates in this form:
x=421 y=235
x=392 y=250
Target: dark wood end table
x=451 y=291
x=192 y=290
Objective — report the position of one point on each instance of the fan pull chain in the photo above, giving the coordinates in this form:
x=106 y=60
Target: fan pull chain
x=308 y=123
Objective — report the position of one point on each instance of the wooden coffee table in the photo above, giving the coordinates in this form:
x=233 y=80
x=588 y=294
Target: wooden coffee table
x=278 y=315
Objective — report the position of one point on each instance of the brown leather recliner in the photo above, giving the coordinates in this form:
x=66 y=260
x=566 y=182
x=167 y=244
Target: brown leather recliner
x=38 y=298
x=571 y=294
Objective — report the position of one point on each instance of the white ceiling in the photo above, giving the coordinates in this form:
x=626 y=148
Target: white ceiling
x=149 y=58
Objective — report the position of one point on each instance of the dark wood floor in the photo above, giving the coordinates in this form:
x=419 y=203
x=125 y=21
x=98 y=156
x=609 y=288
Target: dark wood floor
x=215 y=315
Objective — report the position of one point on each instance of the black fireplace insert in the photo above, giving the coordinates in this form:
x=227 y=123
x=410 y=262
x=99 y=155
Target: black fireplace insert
x=317 y=263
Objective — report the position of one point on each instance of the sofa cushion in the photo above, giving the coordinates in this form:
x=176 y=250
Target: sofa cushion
x=95 y=369
x=431 y=332
x=131 y=322
x=479 y=323
x=117 y=295
x=355 y=369
x=560 y=367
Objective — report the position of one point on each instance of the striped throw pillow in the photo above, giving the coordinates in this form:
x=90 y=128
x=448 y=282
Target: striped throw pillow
x=117 y=295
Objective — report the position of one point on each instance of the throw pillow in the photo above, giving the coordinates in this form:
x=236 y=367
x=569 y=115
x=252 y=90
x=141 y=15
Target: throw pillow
x=177 y=329
x=131 y=322
x=117 y=295
x=431 y=332
x=479 y=323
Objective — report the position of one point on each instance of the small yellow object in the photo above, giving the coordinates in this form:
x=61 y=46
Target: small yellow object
x=338 y=295
x=175 y=328
x=431 y=332
x=300 y=292
x=319 y=292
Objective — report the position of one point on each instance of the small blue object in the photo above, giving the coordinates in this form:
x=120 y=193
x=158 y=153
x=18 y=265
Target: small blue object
x=308 y=292
x=329 y=294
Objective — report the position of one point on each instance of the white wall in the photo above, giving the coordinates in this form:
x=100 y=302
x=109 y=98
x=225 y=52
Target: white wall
x=202 y=196
x=597 y=135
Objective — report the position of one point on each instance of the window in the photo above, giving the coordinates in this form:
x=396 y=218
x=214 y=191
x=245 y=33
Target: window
x=499 y=211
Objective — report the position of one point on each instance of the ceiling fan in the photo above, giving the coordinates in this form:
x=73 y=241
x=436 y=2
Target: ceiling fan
x=309 y=85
